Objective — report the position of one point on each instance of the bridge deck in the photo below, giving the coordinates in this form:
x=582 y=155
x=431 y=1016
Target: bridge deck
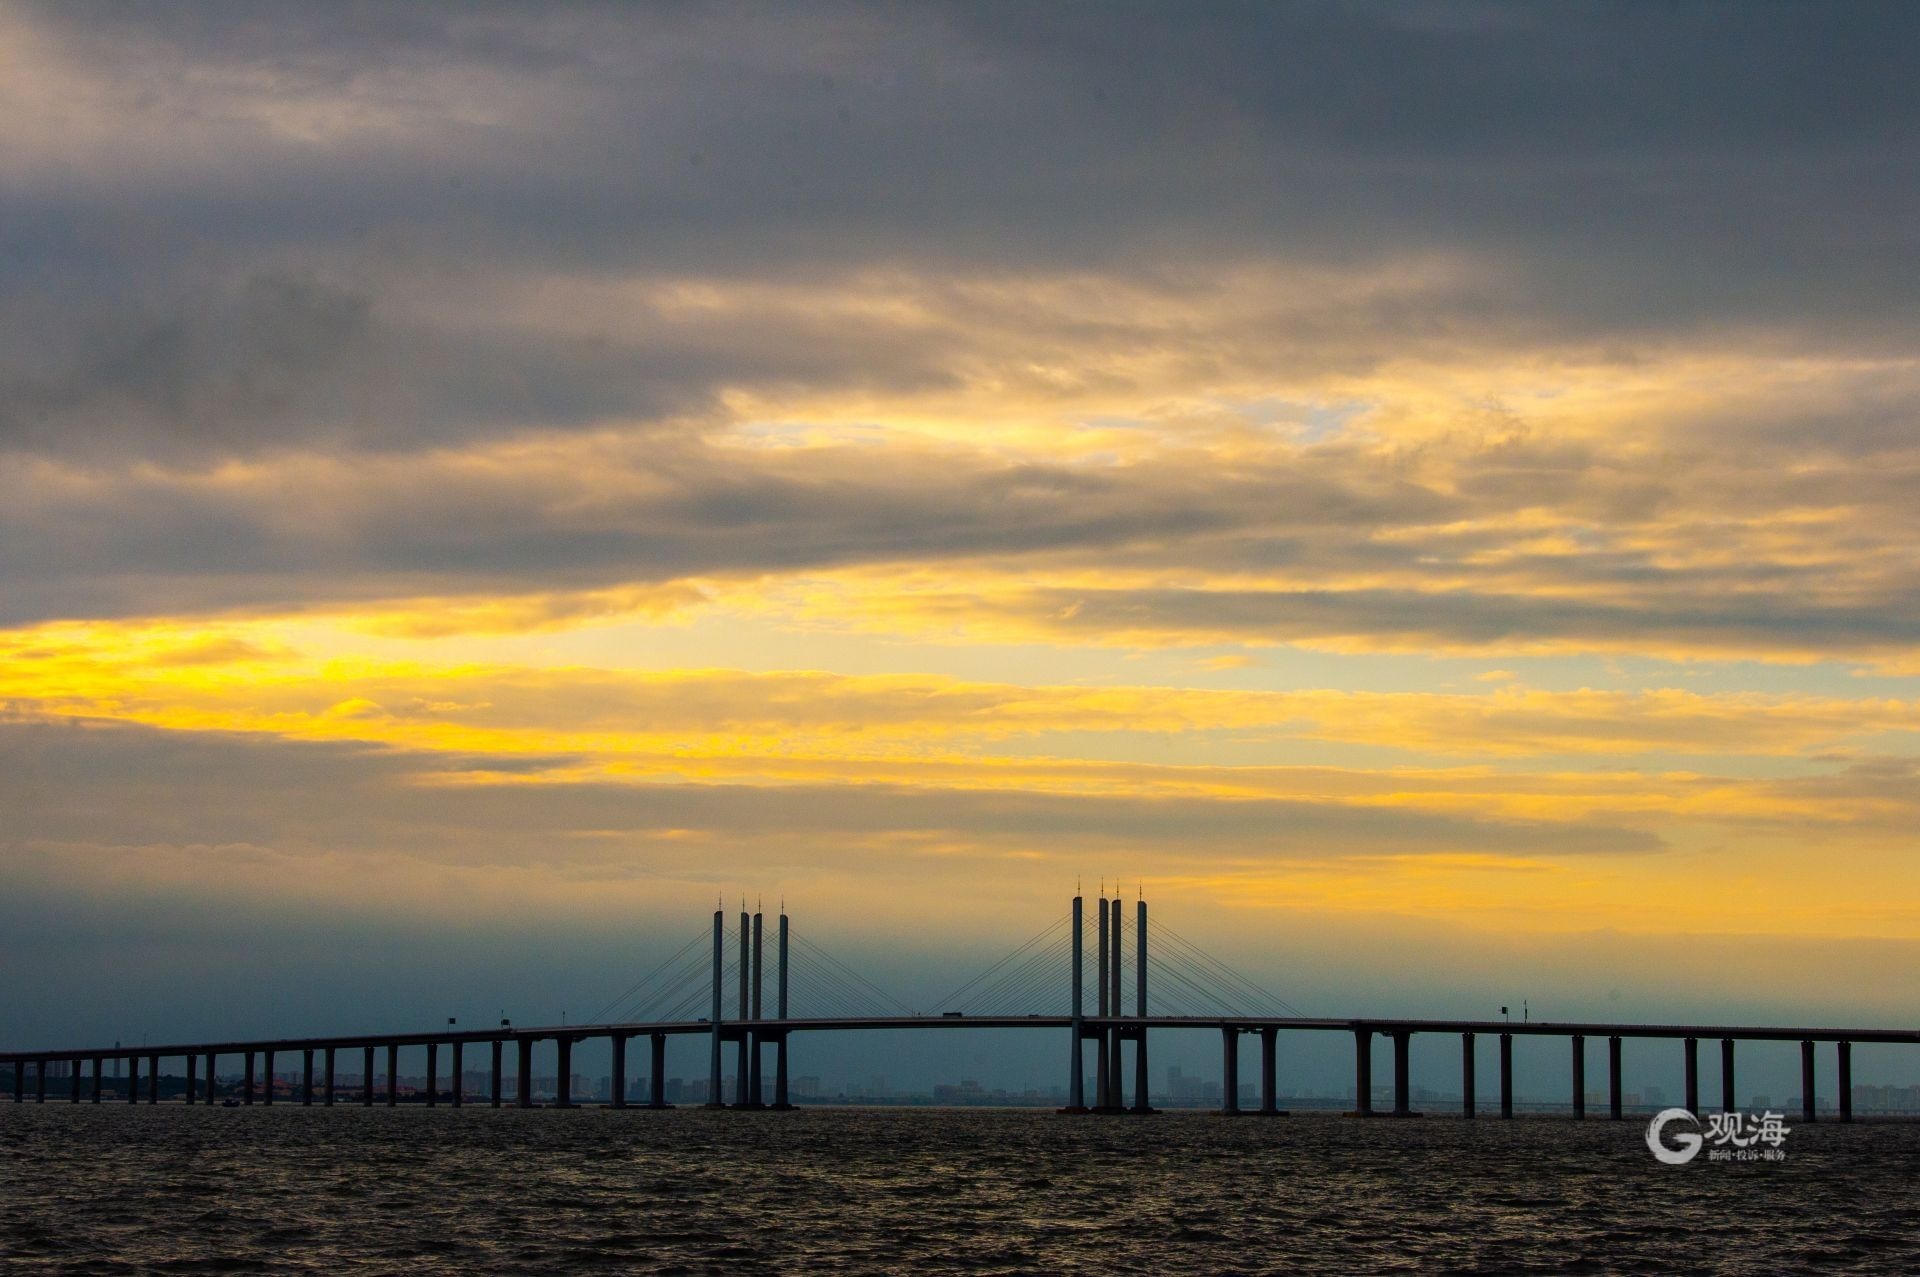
x=1534 y=1028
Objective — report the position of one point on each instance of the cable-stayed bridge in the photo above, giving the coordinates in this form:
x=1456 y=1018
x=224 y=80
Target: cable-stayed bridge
x=716 y=986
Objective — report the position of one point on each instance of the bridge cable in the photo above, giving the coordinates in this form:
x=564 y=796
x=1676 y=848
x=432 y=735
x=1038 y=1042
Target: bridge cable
x=827 y=995
x=875 y=989
x=953 y=997
x=695 y=980
x=599 y=1016
x=1209 y=1000
x=1228 y=974
x=804 y=971
x=1040 y=973
x=696 y=972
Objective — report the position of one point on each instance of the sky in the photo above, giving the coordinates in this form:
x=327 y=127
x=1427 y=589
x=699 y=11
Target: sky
x=1427 y=493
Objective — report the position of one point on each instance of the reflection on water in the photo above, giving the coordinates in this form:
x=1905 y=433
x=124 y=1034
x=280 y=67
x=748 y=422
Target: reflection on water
x=348 y=1190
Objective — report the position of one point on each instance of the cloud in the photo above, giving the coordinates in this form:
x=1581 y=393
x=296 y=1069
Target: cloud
x=101 y=811
x=1254 y=338
x=397 y=193
x=1501 y=541
x=96 y=794
x=1432 y=621
x=1644 y=152
x=225 y=680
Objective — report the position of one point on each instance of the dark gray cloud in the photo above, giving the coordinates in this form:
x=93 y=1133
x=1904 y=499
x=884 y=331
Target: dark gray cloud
x=102 y=786
x=1030 y=130
x=1422 y=620
x=1616 y=172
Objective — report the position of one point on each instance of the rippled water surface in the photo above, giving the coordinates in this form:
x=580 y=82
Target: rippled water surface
x=346 y=1190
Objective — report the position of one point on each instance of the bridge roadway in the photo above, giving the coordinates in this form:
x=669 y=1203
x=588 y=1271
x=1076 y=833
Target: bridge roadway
x=765 y=1031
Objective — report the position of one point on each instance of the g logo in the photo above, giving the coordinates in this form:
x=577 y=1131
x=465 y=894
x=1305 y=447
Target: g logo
x=1688 y=1141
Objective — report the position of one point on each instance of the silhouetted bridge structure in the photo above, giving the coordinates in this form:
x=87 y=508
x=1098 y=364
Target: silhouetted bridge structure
x=674 y=990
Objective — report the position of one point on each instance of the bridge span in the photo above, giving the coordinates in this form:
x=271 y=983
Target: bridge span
x=1105 y=1029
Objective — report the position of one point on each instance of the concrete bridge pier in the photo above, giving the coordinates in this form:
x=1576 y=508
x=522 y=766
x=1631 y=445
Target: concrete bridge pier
x=1362 y=1073
x=563 y=1085
x=433 y=1073
x=458 y=1064
x=1402 y=1088
x=1809 y=1102
x=393 y=1074
x=1843 y=1078
x=268 y=1061
x=1613 y=1077
x=1269 y=1073
x=498 y=1046
x=1142 y=1101
x=329 y=1077
x=524 y=1083
x=306 y=1078
x=133 y=1080
x=1729 y=1100
x=618 y=1080
x=1466 y=1075
x=153 y=1079
x=19 y=1082
x=99 y=1067
x=782 y=1101
x=1229 y=1071
x=1506 y=1076
x=657 y=1080
x=193 y=1078
x=366 y=1076
x=1692 y=1057
x=1579 y=1076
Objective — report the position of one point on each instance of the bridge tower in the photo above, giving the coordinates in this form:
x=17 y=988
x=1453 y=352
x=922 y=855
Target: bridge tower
x=714 y=1098
x=754 y=1093
x=1076 y=1063
x=1141 y=1103
x=1108 y=1035
x=1100 y=1054
x=780 y=1100
x=1116 y=1084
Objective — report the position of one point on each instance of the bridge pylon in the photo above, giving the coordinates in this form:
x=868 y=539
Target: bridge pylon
x=1109 y=1034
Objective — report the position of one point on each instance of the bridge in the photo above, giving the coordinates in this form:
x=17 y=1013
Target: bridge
x=662 y=1003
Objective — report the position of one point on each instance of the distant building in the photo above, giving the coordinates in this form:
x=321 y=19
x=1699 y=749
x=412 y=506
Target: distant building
x=1886 y=1099
x=1182 y=1088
